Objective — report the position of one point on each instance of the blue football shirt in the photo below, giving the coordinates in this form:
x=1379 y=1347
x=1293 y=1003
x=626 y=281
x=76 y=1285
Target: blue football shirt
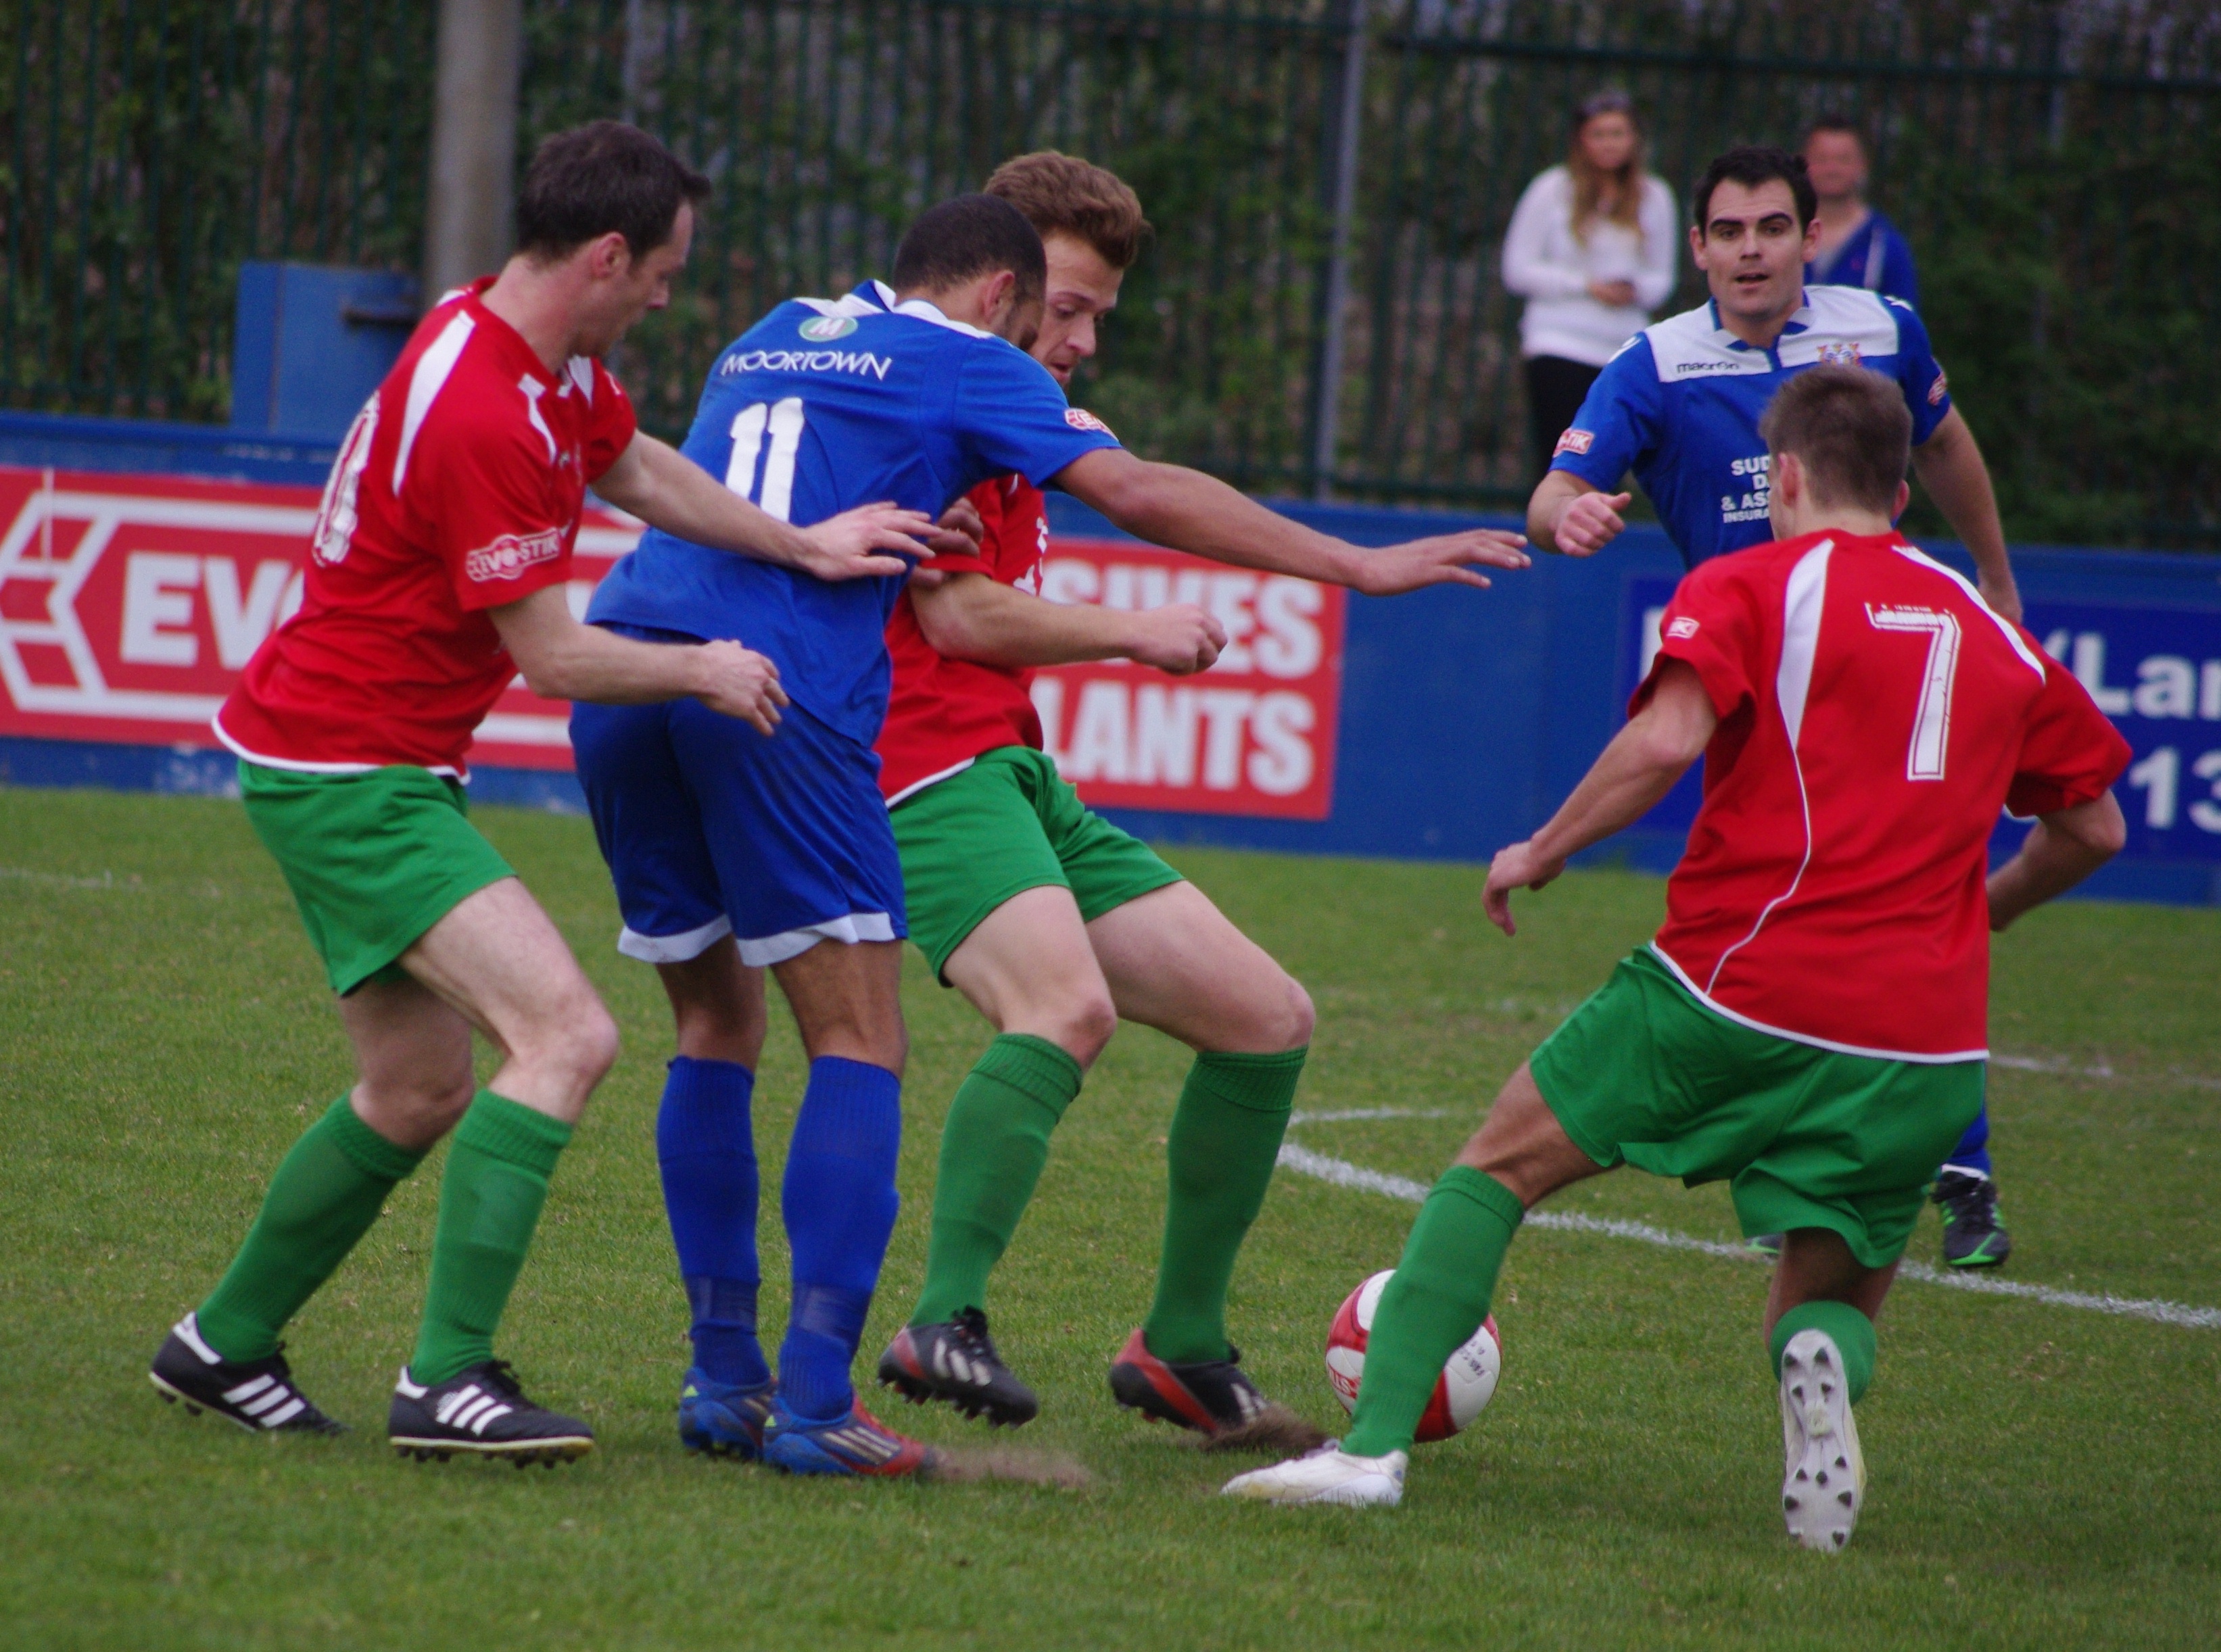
x=1680 y=405
x=1878 y=258
x=822 y=406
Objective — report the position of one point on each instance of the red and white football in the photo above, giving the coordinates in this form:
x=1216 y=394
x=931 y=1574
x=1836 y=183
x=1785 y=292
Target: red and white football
x=1465 y=1387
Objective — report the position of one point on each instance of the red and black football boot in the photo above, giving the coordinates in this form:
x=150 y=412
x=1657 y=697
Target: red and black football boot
x=1213 y=1397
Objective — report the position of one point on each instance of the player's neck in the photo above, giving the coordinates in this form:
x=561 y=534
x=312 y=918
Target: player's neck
x=1796 y=524
x=1842 y=213
x=1760 y=332
x=539 y=304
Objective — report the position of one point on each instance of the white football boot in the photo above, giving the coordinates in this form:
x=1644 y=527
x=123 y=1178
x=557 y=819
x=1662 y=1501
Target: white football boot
x=1330 y=1475
x=1823 y=1477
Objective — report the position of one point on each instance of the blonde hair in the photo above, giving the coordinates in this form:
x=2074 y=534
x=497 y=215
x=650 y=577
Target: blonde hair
x=1590 y=181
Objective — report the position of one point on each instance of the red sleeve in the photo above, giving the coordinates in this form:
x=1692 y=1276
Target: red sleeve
x=986 y=499
x=484 y=494
x=611 y=429
x=1709 y=625
x=2070 y=751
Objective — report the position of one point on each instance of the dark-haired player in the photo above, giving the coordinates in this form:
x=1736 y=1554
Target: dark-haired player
x=1810 y=1024
x=440 y=559
x=733 y=854
x=1680 y=406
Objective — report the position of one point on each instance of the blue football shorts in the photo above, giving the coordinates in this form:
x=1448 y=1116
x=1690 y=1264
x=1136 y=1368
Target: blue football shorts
x=711 y=829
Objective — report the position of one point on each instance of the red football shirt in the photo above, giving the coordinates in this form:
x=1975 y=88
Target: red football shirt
x=1876 y=715
x=458 y=489
x=942 y=713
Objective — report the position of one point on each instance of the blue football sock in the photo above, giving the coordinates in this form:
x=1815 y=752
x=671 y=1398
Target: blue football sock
x=708 y=1152
x=839 y=1200
x=1972 y=1152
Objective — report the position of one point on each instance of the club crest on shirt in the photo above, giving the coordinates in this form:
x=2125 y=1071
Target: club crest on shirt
x=1844 y=354
x=823 y=329
x=1081 y=419
x=1573 y=441
x=512 y=554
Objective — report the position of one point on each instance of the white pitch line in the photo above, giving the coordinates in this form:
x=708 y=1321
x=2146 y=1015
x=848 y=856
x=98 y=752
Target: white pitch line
x=2060 y=1067
x=1348 y=1115
x=1342 y=1173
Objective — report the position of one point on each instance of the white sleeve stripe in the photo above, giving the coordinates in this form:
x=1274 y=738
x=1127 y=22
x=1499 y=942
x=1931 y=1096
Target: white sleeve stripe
x=425 y=384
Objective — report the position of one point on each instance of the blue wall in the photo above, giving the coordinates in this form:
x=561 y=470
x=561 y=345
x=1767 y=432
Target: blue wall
x=1467 y=715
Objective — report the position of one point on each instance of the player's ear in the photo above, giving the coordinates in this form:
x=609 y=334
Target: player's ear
x=1903 y=498
x=609 y=255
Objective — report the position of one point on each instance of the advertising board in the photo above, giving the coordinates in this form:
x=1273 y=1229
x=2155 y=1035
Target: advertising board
x=128 y=606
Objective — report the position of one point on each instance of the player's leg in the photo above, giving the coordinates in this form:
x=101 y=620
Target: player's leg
x=1843 y=1178
x=498 y=960
x=989 y=907
x=839 y=1202
x=1438 y=1298
x=413 y=1053
x=1967 y=1188
x=373 y=860
x=653 y=819
x=705 y=1145
x=1176 y=963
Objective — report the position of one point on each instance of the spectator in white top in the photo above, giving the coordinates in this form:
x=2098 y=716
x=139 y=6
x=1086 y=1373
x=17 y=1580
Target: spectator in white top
x=1592 y=248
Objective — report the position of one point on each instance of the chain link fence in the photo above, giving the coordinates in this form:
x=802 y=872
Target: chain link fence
x=2052 y=166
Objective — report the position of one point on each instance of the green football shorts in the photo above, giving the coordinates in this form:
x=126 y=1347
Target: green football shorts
x=1644 y=1074
x=373 y=859
x=1007 y=823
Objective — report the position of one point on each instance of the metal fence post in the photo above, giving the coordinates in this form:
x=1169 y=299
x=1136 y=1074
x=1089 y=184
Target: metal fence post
x=467 y=221
x=1326 y=372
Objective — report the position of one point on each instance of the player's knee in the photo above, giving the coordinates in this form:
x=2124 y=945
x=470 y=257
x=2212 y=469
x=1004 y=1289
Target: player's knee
x=582 y=1041
x=1085 y=1024
x=1297 y=1015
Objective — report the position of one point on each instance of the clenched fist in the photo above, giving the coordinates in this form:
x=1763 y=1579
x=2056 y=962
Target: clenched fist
x=1180 y=638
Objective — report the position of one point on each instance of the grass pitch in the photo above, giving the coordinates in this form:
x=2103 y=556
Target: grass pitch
x=2041 y=1476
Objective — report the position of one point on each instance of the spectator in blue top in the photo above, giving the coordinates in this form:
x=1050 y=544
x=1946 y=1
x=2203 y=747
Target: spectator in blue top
x=1858 y=246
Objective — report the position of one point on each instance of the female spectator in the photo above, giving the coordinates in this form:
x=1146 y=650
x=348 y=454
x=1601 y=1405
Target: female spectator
x=1591 y=247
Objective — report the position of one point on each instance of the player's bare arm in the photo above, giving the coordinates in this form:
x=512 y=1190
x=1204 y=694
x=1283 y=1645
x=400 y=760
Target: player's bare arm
x=2060 y=852
x=565 y=660
x=656 y=482
x=1572 y=516
x=970 y=616
x=1950 y=466
x=1638 y=768
x=1171 y=505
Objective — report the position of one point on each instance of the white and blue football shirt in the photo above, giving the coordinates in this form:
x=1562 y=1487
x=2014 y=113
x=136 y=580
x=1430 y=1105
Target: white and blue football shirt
x=1680 y=405
x=822 y=406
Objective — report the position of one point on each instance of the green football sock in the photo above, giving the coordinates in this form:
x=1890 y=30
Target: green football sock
x=1853 y=1332
x=993 y=1149
x=1437 y=1300
x=1225 y=1139
x=499 y=1164
x=327 y=1192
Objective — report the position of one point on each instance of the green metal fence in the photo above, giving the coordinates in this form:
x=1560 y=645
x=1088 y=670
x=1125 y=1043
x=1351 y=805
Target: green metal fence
x=2052 y=165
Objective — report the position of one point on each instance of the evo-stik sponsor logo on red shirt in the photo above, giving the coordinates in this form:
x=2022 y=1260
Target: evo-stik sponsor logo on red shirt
x=512 y=553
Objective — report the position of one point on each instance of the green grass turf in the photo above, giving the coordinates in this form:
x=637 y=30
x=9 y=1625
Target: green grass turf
x=2041 y=1477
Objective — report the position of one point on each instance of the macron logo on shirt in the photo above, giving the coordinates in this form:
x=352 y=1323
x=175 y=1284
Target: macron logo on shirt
x=507 y=556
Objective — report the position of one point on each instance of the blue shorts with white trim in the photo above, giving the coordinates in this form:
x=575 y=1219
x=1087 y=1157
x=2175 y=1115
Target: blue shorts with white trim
x=711 y=828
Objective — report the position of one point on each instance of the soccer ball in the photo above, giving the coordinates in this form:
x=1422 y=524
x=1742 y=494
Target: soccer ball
x=1467 y=1381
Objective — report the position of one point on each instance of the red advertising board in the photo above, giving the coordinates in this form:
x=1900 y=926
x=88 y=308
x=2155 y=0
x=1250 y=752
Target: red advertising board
x=1252 y=735
x=128 y=606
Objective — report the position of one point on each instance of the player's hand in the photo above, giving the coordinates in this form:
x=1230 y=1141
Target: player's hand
x=960 y=533
x=1517 y=867
x=852 y=545
x=1446 y=559
x=1180 y=638
x=1591 y=522
x=2002 y=594
x=740 y=683
x=1617 y=293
